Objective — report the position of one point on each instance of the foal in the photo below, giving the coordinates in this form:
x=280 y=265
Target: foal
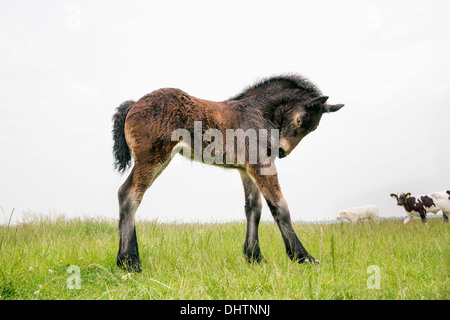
x=289 y=107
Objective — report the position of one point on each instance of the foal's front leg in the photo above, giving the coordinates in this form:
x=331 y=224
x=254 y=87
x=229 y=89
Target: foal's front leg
x=253 y=206
x=270 y=188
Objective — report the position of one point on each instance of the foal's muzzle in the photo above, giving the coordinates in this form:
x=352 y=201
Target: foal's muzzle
x=281 y=153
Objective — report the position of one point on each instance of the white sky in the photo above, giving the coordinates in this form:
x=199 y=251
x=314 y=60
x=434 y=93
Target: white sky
x=65 y=66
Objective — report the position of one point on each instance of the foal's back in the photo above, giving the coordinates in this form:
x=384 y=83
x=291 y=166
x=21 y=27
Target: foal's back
x=169 y=109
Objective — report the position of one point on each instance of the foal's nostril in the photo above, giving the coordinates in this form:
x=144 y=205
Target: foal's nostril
x=281 y=153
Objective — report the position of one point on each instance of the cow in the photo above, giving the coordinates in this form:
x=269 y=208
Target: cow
x=421 y=205
x=360 y=213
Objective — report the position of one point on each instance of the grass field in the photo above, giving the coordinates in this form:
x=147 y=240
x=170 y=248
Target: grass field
x=183 y=261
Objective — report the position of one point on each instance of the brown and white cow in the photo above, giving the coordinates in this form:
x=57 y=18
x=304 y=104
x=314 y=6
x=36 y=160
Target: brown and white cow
x=419 y=206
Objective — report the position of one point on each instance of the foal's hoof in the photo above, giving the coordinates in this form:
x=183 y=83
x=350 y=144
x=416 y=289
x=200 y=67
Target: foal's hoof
x=310 y=260
x=254 y=256
x=258 y=259
x=130 y=264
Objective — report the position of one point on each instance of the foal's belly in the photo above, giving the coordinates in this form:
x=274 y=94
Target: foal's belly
x=187 y=152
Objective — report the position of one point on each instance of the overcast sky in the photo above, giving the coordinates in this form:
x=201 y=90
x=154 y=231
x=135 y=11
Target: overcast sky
x=66 y=65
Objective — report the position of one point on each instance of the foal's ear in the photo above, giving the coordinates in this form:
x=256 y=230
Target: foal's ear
x=317 y=102
x=332 y=107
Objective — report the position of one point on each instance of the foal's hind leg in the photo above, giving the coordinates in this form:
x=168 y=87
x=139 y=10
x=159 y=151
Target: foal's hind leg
x=130 y=196
x=253 y=206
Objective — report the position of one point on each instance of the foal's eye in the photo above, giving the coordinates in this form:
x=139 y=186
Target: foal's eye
x=298 y=121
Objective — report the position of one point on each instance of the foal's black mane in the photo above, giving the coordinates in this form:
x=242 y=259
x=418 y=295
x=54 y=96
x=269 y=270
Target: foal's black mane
x=275 y=85
x=276 y=95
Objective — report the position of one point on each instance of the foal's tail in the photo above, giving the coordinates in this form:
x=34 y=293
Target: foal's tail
x=120 y=149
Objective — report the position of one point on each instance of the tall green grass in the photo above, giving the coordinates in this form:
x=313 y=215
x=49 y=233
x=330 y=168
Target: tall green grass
x=183 y=261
